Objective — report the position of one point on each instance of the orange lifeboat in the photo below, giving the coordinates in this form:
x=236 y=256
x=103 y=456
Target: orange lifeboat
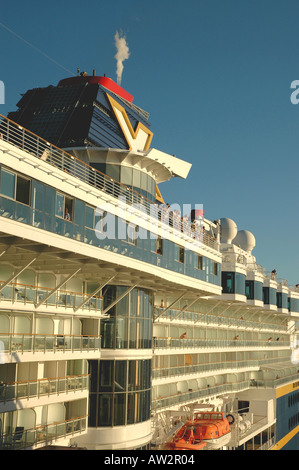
x=207 y=429
x=213 y=427
x=185 y=439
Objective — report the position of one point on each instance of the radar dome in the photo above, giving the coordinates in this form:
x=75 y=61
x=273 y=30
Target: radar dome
x=228 y=230
x=245 y=240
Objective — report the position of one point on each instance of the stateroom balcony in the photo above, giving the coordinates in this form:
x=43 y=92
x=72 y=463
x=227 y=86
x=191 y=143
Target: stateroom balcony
x=30 y=297
x=26 y=392
x=57 y=432
x=172 y=345
x=18 y=345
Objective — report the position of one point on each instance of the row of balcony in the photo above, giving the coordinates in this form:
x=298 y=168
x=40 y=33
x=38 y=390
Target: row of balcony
x=194 y=395
x=185 y=343
x=206 y=392
x=217 y=320
x=20 y=438
x=186 y=370
x=27 y=294
x=20 y=343
x=41 y=387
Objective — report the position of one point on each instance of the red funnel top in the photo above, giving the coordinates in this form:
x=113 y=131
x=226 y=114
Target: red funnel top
x=103 y=81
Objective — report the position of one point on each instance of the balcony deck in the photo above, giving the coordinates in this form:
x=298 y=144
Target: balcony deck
x=23 y=139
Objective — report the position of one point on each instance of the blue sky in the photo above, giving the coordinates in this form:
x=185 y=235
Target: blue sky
x=215 y=77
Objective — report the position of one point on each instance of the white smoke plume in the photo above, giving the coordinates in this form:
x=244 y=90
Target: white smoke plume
x=122 y=54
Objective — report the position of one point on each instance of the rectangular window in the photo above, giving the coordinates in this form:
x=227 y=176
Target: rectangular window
x=59 y=211
x=228 y=282
x=159 y=246
x=15 y=187
x=8 y=184
x=23 y=190
x=215 y=269
x=68 y=209
x=279 y=299
x=199 y=262
x=266 y=295
x=132 y=231
x=249 y=290
x=64 y=207
x=181 y=254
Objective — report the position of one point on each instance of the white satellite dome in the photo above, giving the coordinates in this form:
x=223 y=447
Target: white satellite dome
x=229 y=230
x=245 y=240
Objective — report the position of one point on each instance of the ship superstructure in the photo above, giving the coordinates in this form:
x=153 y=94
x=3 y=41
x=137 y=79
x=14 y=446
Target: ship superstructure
x=119 y=316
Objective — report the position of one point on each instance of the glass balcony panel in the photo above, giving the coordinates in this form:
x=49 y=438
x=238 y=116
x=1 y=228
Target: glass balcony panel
x=23 y=213
x=7 y=293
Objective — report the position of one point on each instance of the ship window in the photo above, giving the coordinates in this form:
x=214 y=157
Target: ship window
x=159 y=246
x=266 y=295
x=68 y=210
x=199 y=262
x=132 y=234
x=7 y=184
x=215 y=269
x=64 y=207
x=59 y=205
x=23 y=190
x=249 y=290
x=15 y=186
x=181 y=254
x=228 y=282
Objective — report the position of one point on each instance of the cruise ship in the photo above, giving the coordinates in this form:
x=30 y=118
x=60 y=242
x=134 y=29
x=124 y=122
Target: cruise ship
x=123 y=316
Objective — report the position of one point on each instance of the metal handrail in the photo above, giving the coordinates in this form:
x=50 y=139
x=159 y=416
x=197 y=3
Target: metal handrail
x=21 y=292
x=185 y=370
x=178 y=343
x=45 y=386
x=27 y=438
x=22 y=342
x=26 y=140
x=205 y=318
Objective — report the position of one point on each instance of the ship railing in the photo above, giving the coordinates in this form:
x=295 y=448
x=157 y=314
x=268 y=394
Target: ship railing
x=25 y=293
x=20 y=438
x=39 y=387
x=258 y=422
x=28 y=141
x=207 y=319
x=14 y=343
x=268 y=444
x=189 y=396
x=256 y=267
x=185 y=370
x=273 y=383
x=193 y=343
